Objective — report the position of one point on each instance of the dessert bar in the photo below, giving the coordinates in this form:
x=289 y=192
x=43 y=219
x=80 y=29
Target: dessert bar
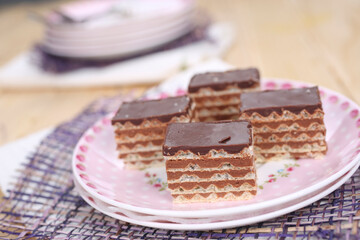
x=207 y=162
x=286 y=123
x=140 y=128
x=217 y=94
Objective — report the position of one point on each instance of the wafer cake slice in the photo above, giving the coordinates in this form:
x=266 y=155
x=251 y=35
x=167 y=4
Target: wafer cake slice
x=217 y=94
x=286 y=123
x=208 y=162
x=140 y=128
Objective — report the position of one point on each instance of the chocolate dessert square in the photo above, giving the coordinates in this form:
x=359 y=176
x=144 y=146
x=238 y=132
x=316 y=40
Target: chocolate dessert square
x=286 y=123
x=207 y=162
x=217 y=94
x=140 y=128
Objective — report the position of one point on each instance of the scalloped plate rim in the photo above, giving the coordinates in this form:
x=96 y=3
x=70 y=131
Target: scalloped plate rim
x=227 y=210
x=231 y=223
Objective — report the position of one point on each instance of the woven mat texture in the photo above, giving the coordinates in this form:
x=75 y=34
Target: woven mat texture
x=43 y=203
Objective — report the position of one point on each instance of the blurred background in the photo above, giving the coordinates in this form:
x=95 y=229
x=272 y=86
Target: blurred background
x=309 y=41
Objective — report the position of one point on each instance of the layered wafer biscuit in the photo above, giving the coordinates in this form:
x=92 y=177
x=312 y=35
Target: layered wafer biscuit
x=140 y=128
x=286 y=123
x=208 y=162
x=217 y=94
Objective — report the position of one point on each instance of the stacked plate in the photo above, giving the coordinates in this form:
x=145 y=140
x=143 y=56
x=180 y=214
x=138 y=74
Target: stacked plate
x=105 y=29
x=140 y=197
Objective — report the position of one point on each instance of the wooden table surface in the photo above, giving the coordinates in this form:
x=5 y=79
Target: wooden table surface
x=310 y=41
x=305 y=40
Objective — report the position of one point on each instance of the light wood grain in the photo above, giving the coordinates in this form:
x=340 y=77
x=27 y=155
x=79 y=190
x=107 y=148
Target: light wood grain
x=310 y=41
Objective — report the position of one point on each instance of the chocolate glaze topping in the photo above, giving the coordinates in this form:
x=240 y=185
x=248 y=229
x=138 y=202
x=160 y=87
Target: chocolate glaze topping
x=293 y=100
x=243 y=78
x=201 y=137
x=163 y=110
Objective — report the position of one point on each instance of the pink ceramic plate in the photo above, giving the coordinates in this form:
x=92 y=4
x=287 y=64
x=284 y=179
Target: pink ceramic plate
x=235 y=220
x=177 y=220
x=100 y=173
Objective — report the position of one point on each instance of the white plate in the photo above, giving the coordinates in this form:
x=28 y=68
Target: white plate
x=238 y=220
x=97 y=169
x=120 y=49
x=147 y=40
x=117 y=35
x=190 y=219
x=97 y=27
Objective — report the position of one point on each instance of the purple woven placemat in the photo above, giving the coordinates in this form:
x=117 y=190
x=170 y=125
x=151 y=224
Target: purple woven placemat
x=43 y=204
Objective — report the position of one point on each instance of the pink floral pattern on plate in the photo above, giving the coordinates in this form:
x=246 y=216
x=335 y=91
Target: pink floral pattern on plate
x=98 y=170
x=280 y=173
x=155 y=181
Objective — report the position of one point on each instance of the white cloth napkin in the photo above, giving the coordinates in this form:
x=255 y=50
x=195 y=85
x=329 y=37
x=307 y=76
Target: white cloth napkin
x=13 y=154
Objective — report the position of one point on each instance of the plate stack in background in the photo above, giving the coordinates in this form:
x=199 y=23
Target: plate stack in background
x=92 y=43
x=108 y=29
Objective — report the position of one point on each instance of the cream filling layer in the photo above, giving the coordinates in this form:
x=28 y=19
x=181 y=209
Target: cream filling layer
x=246 y=152
x=213 y=198
x=306 y=147
x=285 y=115
x=212 y=188
x=195 y=167
x=215 y=177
